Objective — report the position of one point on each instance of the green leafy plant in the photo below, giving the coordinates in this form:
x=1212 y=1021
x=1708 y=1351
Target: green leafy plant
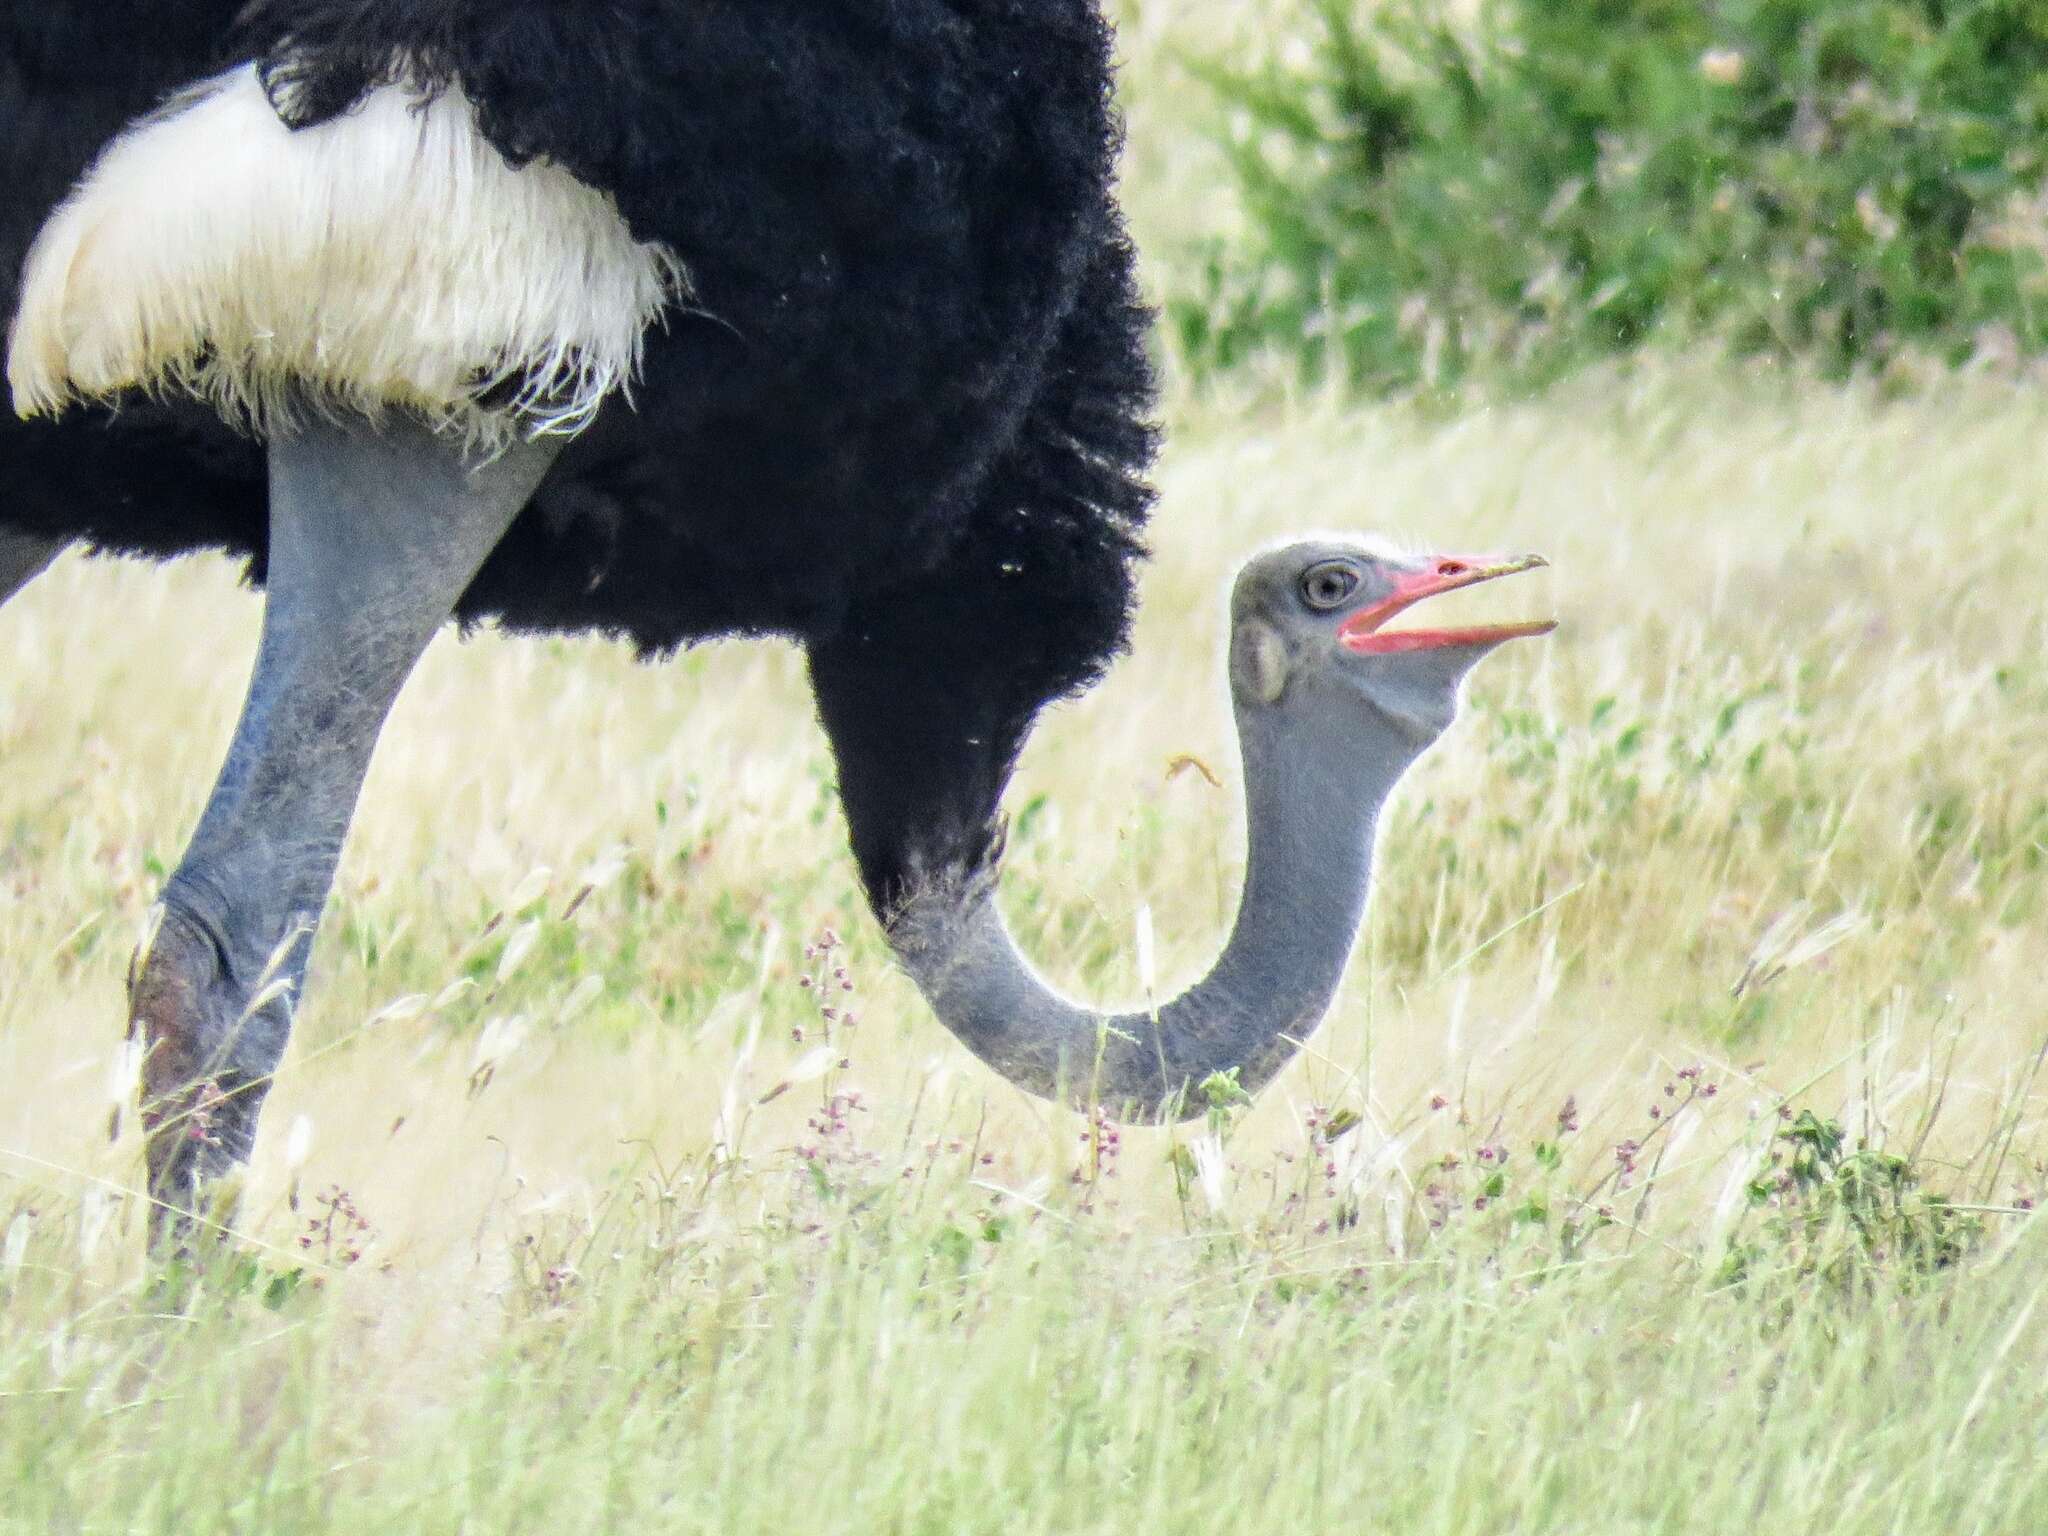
x=1846 y=1214
x=1857 y=182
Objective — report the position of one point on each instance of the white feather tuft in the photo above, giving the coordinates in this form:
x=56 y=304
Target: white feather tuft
x=388 y=258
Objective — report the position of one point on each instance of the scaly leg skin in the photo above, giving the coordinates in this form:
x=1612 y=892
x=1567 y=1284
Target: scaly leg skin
x=376 y=529
x=23 y=557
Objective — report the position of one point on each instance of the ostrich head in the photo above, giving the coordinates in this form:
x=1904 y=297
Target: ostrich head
x=1310 y=621
x=1332 y=706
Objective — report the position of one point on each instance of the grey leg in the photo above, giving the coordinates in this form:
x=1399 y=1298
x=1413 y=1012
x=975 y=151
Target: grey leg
x=375 y=531
x=22 y=559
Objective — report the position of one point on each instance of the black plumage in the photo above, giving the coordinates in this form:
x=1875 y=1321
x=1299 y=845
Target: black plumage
x=903 y=416
x=156 y=480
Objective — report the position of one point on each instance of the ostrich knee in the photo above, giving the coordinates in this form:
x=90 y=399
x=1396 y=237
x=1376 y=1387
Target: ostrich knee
x=23 y=557
x=376 y=530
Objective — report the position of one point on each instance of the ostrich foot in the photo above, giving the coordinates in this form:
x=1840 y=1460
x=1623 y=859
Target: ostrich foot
x=209 y=1049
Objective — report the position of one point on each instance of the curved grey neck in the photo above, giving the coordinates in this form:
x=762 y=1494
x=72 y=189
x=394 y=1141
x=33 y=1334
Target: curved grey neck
x=1313 y=802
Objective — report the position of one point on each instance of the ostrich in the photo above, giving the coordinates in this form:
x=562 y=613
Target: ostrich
x=664 y=320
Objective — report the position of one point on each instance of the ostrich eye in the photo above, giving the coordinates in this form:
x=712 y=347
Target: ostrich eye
x=1327 y=585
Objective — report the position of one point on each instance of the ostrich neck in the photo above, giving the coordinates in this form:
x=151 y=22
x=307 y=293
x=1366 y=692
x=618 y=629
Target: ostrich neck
x=1313 y=801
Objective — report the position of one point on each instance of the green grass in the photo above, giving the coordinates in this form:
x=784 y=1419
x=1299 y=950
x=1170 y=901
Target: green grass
x=901 y=1373
x=566 y=1218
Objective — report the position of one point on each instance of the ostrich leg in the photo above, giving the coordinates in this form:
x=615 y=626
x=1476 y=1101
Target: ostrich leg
x=375 y=531
x=23 y=557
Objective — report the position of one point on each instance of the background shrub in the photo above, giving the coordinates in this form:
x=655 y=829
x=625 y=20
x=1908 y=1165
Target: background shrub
x=1546 y=182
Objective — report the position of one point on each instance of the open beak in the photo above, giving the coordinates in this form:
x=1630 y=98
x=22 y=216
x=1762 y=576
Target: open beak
x=1362 y=632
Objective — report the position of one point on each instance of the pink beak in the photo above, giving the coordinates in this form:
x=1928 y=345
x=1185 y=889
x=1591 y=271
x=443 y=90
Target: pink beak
x=1445 y=573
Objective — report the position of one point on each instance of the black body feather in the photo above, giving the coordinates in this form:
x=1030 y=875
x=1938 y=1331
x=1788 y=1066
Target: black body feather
x=904 y=418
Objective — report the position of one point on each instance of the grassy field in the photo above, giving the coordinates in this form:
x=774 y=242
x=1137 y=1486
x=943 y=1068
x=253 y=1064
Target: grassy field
x=1664 y=1167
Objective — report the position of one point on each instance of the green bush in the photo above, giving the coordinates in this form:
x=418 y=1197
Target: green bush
x=1552 y=181
x=1848 y=1217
